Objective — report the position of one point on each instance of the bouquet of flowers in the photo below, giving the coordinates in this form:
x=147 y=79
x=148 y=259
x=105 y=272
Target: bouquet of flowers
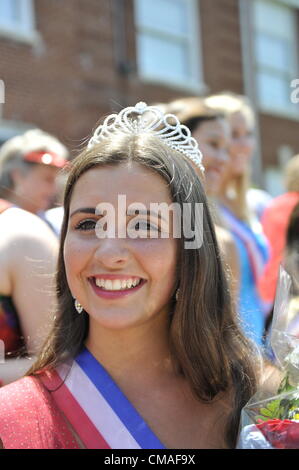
x=270 y=420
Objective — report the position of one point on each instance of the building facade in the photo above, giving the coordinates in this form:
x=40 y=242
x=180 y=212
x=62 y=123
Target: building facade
x=64 y=64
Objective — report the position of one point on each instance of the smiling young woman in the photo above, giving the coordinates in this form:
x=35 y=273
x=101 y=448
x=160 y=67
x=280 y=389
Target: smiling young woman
x=148 y=355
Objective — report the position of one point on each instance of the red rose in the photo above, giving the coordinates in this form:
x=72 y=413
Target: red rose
x=282 y=434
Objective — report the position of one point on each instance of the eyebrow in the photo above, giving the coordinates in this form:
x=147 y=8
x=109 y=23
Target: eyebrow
x=84 y=210
x=92 y=210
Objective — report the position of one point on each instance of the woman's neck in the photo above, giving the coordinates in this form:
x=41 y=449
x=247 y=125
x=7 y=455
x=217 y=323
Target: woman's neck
x=129 y=352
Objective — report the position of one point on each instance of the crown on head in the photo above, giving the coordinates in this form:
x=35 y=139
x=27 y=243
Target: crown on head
x=150 y=119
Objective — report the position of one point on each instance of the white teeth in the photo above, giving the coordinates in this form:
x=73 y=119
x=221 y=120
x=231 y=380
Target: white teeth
x=117 y=284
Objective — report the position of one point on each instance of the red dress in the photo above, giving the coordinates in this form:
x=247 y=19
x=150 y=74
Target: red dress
x=275 y=222
x=29 y=418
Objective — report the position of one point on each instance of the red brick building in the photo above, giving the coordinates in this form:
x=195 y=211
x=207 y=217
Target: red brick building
x=66 y=63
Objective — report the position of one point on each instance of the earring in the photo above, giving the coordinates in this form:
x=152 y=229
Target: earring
x=78 y=306
x=177 y=295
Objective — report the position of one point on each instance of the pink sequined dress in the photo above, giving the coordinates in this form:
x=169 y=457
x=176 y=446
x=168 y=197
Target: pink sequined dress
x=29 y=418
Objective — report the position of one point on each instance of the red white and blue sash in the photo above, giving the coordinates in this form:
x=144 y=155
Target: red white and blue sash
x=97 y=409
x=254 y=241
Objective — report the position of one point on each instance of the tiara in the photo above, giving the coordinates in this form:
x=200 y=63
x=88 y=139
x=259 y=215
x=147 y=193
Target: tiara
x=150 y=119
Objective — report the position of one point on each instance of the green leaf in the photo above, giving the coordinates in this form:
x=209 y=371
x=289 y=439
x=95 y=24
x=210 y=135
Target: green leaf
x=272 y=410
x=266 y=412
x=285 y=385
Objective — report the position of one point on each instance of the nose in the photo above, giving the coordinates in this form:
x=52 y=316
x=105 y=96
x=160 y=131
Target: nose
x=112 y=252
x=222 y=156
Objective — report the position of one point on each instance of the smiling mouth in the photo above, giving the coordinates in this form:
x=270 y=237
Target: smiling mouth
x=116 y=285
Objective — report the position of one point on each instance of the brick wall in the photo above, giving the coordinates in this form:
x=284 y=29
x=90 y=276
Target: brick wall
x=84 y=66
x=63 y=83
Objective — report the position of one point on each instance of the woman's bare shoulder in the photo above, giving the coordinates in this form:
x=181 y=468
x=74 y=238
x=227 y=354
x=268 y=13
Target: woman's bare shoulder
x=16 y=223
x=24 y=236
x=23 y=233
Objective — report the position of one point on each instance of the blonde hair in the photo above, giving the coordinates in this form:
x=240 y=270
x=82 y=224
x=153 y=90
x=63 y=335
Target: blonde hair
x=230 y=103
x=192 y=107
x=292 y=174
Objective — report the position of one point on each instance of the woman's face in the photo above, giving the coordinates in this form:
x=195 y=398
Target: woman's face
x=242 y=144
x=102 y=272
x=36 y=188
x=213 y=139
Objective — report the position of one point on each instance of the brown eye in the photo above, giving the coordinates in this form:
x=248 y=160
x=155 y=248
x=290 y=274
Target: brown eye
x=214 y=144
x=88 y=224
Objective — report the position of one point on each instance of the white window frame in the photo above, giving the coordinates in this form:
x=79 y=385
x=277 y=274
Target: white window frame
x=291 y=112
x=24 y=30
x=196 y=83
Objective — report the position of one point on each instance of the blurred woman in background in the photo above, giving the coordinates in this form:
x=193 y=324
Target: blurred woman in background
x=212 y=132
x=29 y=166
x=242 y=222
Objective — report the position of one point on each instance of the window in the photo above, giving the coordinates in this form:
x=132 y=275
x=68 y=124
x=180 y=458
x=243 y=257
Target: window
x=168 y=42
x=275 y=54
x=17 y=18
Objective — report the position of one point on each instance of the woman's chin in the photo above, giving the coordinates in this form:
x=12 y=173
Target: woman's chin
x=117 y=320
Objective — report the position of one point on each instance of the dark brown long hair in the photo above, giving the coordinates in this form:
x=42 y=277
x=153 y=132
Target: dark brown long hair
x=207 y=344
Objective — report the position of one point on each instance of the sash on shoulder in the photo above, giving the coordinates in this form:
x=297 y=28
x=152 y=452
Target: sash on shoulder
x=257 y=253
x=97 y=409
